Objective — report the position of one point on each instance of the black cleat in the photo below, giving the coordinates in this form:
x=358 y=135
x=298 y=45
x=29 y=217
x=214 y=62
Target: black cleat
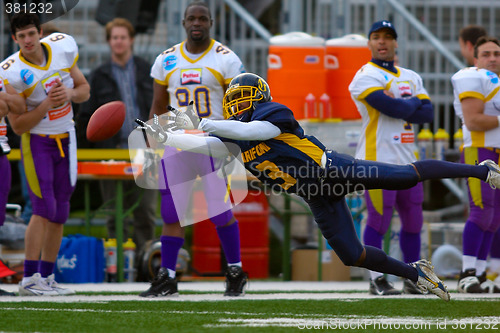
x=468 y=283
x=6 y=293
x=236 y=280
x=161 y=286
x=381 y=287
x=410 y=288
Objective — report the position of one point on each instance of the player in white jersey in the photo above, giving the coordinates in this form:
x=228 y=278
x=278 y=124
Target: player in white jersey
x=390 y=99
x=45 y=73
x=476 y=102
x=199 y=70
x=10 y=101
x=200 y=77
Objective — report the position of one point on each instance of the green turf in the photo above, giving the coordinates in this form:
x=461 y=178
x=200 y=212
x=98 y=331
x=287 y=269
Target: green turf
x=237 y=315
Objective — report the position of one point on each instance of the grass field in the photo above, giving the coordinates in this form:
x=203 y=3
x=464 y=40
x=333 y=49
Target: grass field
x=261 y=310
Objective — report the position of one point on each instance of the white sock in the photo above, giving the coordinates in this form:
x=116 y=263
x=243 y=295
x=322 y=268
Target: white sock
x=495 y=265
x=239 y=264
x=374 y=275
x=480 y=267
x=468 y=262
x=171 y=273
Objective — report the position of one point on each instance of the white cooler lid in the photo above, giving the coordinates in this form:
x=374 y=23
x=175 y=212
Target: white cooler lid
x=297 y=38
x=351 y=40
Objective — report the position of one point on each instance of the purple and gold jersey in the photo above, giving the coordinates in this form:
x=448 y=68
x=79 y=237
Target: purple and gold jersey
x=385 y=138
x=201 y=79
x=4 y=145
x=473 y=82
x=33 y=82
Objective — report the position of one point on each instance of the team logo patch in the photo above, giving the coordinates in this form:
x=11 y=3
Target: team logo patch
x=49 y=82
x=191 y=76
x=169 y=62
x=493 y=77
x=27 y=76
x=405 y=88
x=60 y=112
x=407 y=137
x=262 y=86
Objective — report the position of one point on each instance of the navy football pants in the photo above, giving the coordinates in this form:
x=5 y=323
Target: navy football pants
x=346 y=174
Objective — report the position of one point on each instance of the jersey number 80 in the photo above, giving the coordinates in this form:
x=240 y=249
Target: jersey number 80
x=201 y=98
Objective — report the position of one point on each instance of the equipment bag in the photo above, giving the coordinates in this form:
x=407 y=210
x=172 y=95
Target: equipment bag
x=80 y=260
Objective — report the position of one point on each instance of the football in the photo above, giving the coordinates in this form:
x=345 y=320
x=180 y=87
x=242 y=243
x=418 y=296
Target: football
x=106 y=121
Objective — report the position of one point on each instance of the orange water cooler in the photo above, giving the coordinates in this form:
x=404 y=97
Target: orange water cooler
x=296 y=70
x=344 y=57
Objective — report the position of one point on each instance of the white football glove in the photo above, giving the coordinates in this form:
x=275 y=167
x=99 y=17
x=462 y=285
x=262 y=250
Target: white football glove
x=154 y=130
x=188 y=119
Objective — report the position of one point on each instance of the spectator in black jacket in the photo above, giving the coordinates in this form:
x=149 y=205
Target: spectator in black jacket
x=126 y=78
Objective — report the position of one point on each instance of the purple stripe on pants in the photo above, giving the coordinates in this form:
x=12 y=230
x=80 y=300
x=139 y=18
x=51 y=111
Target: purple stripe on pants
x=408 y=203
x=484 y=216
x=487 y=217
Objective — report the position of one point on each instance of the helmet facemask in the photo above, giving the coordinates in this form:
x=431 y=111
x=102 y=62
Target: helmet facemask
x=239 y=100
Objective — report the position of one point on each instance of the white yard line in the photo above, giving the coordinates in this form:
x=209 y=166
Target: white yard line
x=218 y=286
x=212 y=291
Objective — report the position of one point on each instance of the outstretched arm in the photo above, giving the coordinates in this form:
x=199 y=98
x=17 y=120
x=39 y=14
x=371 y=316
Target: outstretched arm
x=207 y=145
x=236 y=130
x=211 y=146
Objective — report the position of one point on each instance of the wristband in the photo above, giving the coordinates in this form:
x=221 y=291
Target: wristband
x=498 y=117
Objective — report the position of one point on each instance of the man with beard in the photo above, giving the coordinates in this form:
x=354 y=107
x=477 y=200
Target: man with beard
x=390 y=99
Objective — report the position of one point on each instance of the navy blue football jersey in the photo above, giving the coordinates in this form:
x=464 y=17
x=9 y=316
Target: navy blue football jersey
x=290 y=161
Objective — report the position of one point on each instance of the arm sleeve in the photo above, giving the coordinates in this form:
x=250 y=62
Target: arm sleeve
x=236 y=130
x=468 y=84
x=207 y=145
x=70 y=47
x=157 y=72
x=233 y=67
x=424 y=114
x=399 y=108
